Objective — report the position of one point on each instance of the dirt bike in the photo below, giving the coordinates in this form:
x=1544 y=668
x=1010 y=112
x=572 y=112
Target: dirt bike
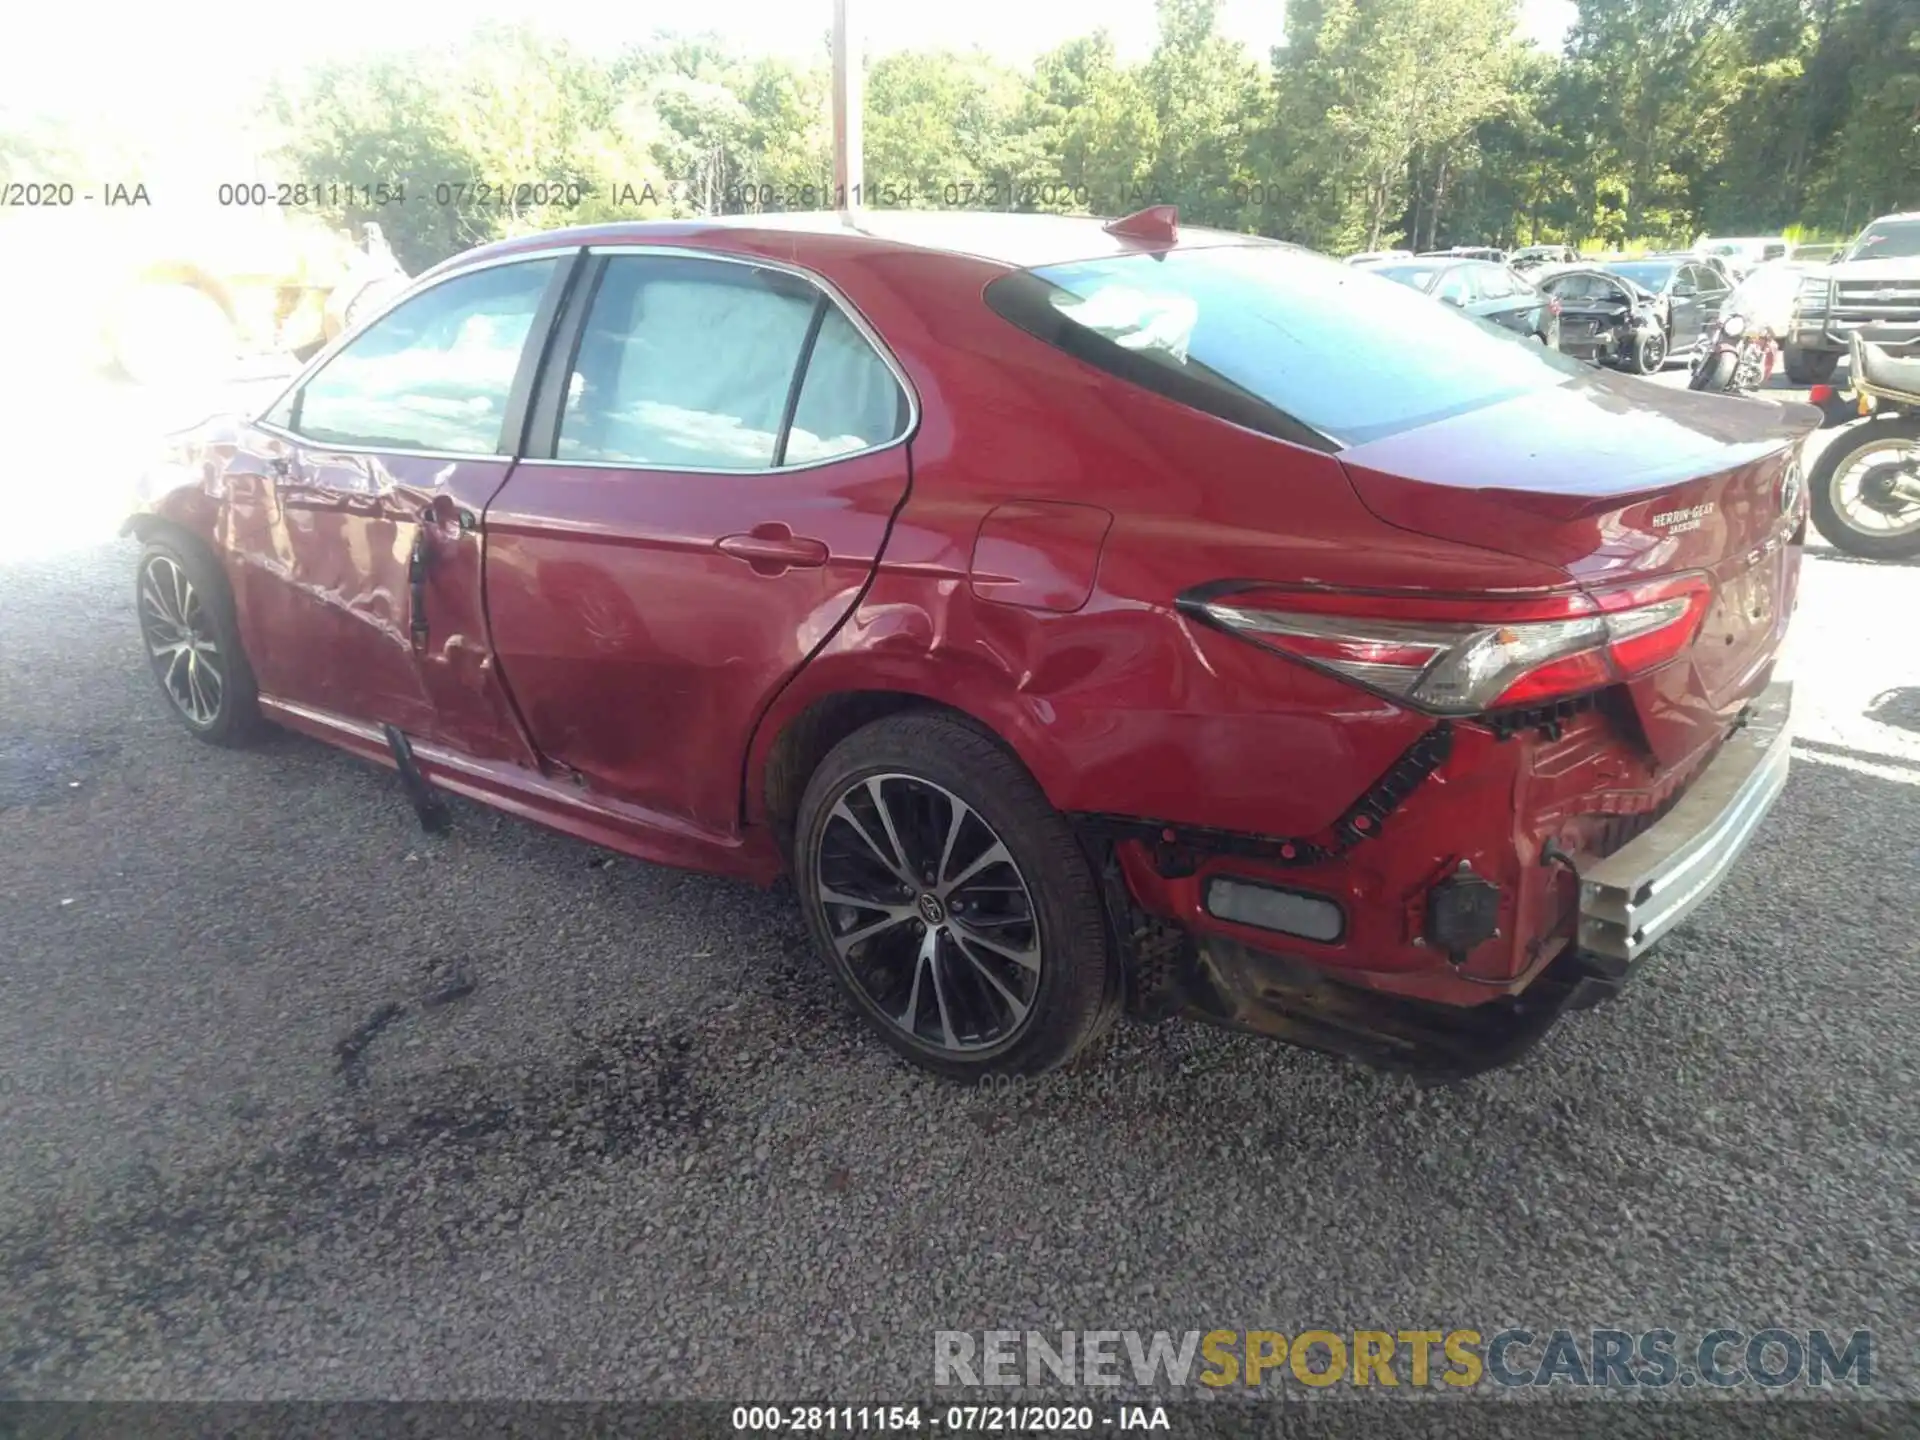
x=1865 y=490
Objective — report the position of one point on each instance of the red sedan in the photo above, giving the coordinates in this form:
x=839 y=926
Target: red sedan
x=1083 y=616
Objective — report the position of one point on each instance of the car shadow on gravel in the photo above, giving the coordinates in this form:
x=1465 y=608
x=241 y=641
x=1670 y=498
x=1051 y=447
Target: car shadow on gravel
x=1899 y=707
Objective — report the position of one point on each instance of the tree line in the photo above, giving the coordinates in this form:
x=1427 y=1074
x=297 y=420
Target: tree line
x=1378 y=122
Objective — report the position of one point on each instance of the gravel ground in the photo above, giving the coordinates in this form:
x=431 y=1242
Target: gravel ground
x=297 y=1101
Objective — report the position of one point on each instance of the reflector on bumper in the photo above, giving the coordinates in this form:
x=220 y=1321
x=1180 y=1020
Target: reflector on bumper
x=1641 y=891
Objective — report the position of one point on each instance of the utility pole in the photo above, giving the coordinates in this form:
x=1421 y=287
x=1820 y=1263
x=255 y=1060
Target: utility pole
x=849 y=91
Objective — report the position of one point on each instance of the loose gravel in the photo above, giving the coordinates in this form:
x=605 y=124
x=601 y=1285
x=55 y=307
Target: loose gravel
x=298 y=1101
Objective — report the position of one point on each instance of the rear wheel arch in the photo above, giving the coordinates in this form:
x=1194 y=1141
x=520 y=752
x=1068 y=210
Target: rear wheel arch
x=805 y=739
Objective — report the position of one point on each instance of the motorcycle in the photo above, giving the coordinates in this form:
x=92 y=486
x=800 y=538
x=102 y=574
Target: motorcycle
x=1742 y=350
x=1865 y=489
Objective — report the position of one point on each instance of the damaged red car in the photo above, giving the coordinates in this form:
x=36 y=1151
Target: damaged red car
x=1084 y=617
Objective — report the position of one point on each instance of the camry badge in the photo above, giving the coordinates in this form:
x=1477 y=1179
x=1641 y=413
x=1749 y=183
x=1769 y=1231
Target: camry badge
x=1790 y=485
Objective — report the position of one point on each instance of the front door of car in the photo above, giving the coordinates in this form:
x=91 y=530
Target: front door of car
x=356 y=514
x=1683 y=299
x=716 y=451
x=1710 y=294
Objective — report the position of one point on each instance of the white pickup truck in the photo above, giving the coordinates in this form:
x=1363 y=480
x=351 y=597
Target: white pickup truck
x=1872 y=286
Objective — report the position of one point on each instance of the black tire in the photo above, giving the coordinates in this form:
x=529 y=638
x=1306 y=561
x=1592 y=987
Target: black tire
x=1715 y=373
x=222 y=713
x=1649 y=353
x=919 y=764
x=1827 y=517
x=1809 y=367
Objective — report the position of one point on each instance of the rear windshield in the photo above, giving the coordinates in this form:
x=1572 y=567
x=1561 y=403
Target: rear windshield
x=1648 y=274
x=1420 y=277
x=1277 y=339
x=1584 y=285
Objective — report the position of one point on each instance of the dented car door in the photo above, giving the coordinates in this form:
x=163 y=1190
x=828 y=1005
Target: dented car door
x=355 y=516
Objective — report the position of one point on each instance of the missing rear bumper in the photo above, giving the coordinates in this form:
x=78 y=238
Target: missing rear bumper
x=1230 y=984
x=1629 y=900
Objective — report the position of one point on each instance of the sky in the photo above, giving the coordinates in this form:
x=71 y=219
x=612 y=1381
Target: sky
x=91 y=56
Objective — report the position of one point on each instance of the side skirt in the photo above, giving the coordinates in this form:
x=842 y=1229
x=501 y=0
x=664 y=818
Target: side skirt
x=557 y=804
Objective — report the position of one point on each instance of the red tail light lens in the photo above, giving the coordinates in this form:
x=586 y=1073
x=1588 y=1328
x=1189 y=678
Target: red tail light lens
x=1465 y=656
x=1820 y=394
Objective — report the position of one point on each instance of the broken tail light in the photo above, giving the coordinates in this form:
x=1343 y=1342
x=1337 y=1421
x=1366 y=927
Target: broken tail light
x=1456 y=656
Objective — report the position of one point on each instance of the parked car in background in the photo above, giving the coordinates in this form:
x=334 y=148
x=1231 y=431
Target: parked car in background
x=1482 y=288
x=1871 y=287
x=1607 y=319
x=1081 y=616
x=1819 y=254
x=1531 y=257
x=1741 y=253
x=1470 y=252
x=1689 y=292
x=1716 y=263
x=1368 y=257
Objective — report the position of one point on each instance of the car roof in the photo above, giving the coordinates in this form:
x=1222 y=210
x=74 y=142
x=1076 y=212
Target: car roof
x=1018 y=241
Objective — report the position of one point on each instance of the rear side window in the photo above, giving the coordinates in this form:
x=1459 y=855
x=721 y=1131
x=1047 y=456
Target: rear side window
x=1278 y=340
x=849 y=399
x=686 y=364
x=689 y=364
x=1493 y=283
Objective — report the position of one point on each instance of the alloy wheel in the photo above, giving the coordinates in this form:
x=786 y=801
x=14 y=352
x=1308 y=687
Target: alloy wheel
x=180 y=642
x=1870 y=489
x=930 y=913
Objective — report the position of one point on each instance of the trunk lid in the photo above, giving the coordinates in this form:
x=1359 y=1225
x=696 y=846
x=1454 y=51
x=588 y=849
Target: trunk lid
x=1613 y=479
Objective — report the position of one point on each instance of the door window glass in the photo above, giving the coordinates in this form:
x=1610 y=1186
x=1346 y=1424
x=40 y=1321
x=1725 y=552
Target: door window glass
x=433 y=374
x=1455 y=287
x=686 y=364
x=849 y=400
x=1492 y=282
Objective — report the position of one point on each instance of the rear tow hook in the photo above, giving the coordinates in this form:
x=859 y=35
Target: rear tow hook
x=435 y=818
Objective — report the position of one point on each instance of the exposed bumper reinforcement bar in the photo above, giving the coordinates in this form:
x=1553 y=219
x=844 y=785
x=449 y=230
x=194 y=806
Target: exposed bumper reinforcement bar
x=1641 y=891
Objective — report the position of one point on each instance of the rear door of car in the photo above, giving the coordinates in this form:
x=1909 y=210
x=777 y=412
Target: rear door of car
x=716 y=451
x=1497 y=297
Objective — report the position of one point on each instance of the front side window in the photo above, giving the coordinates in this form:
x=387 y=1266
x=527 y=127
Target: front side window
x=434 y=373
x=1276 y=339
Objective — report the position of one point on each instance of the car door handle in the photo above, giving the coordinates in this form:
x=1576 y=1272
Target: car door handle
x=772 y=549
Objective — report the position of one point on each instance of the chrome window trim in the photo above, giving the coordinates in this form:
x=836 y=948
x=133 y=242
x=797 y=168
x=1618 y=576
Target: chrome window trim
x=631 y=247
x=433 y=279
x=834 y=297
